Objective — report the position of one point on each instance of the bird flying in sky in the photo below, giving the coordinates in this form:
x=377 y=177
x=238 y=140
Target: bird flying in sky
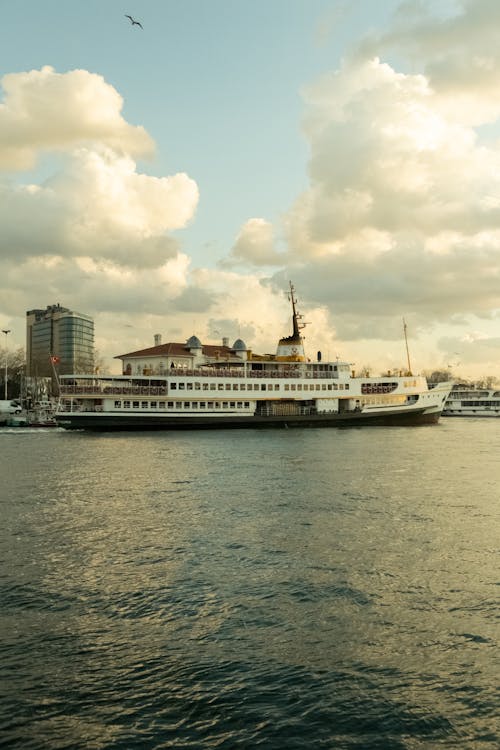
x=133 y=21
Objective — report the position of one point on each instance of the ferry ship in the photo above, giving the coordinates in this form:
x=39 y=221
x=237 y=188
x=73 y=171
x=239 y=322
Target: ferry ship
x=196 y=386
x=470 y=401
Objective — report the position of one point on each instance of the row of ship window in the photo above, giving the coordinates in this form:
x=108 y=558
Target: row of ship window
x=488 y=404
x=258 y=386
x=182 y=405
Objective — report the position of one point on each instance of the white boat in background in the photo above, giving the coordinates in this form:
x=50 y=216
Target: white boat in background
x=472 y=401
x=195 y=386
x=41 y=414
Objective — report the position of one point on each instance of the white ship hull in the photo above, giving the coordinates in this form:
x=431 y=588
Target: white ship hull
x=157 y=407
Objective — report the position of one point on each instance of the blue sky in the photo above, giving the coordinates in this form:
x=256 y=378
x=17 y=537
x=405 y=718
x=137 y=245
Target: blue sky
x=216 y=83
x=313 y=140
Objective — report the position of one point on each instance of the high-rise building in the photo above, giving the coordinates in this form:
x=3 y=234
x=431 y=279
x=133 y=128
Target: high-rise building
x=61 y=333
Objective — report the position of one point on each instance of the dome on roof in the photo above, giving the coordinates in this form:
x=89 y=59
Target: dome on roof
x=239 y=346
x=193 y=343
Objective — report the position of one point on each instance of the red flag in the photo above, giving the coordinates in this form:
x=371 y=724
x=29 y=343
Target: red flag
x=55 y=360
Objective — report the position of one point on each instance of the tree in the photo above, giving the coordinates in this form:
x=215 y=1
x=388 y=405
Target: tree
x=438 y=376
x=16 y=369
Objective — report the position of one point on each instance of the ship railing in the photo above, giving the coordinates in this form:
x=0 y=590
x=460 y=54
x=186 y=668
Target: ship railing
x=182 y=372
x=291 y=374
x=240 y=373
x=69 y=390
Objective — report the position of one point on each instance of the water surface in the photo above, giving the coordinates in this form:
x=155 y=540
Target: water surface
x=309 y=588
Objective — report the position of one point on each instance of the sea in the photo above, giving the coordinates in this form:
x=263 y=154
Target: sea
x=289 y=588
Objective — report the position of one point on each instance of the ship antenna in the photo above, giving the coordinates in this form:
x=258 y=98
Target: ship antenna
x=407 y=350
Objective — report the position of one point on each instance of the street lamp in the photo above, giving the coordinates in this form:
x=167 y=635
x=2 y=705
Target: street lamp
x=6 y=331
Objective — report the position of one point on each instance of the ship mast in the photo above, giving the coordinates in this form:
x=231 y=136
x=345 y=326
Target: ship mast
x=291 y=348
x=296 y=316
x=407 y=350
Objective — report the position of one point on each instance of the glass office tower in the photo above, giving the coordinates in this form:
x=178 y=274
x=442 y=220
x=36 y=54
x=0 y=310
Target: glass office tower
x=61 y=333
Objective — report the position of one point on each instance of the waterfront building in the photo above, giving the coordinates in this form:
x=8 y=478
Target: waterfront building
x=63 y=334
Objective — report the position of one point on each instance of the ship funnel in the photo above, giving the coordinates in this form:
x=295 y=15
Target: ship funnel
x=225 y=341
x=157 y=339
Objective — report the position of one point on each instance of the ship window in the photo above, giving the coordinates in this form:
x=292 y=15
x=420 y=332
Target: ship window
x=202 y=405
x=239 y=404
x=224 y=404
x=213 y=386
x=341 y=386
x=118 y=404
x=187 y=404
x=235 y=386
x=181 y=386
x=276 y=387
x=329 y=386
x=153 y=404
x=135 y=404
x=195 y=405
x=263 y=387
x=287 y=387
x=220 y=386
x=346 y=386
x=299 y=386
x=161 y=404
x=173 y=386
x=242 y=387
x=197 y=386
x=205 y=386
x=232 y=404
x=126 y=404
x=292 y=386
x=228 y=386
x=217 y=404
x=323 y=387
x=144 y=404
x=189 y=386
x=210 y=405
x=247 y=404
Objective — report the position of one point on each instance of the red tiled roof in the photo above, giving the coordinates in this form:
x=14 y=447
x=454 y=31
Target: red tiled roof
x=179 y=350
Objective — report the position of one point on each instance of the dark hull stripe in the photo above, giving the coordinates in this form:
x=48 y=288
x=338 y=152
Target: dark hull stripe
x=80 y=421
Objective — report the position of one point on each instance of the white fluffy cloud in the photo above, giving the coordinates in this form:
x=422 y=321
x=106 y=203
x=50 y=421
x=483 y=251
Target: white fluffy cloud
x=99 y=205
x=45 y=110
x=95 y=202
x=255 y=244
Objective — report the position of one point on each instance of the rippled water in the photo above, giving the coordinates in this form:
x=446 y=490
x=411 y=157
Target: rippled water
x=275 y=589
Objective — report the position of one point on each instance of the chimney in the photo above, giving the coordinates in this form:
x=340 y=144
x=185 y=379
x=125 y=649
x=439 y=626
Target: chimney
x=157 y=339
x=225 y=341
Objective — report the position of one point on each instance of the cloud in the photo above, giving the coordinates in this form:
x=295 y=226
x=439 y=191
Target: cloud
x=458 y=48
x=97 y=202
x=402 y=209
x=45 y=110
x=255 y=244
x=94 y=202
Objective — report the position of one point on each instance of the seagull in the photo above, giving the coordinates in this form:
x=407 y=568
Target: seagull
x=134 y=22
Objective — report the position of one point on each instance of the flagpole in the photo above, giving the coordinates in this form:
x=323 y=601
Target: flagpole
x=53 y=361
